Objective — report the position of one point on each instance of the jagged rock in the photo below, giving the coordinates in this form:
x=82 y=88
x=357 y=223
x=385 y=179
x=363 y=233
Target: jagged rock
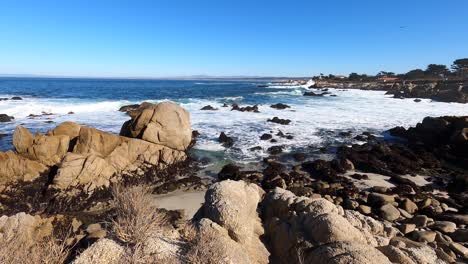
x=99 y=158
x=209 y=107
x=164 y=123
x=48 y=150
x=245 y=109
x=104 y=251
x=15 y=168
x=233 y=206
x=134 y=110
x=86 y=172
x=226 y=141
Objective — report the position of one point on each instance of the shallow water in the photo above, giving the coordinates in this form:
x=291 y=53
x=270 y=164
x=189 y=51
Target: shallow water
x=315 y=120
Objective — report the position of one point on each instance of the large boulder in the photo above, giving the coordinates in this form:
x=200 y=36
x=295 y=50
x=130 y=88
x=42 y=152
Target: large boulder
x=232 y=206
x=49 y=150
x=70 y=129
x=93 y=141
x=17 y=168
x=164 y=123
x=22 y=139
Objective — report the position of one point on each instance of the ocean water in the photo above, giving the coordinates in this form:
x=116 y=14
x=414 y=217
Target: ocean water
x=316 y=121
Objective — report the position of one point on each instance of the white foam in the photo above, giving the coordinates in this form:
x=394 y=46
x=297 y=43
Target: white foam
x=355 y=110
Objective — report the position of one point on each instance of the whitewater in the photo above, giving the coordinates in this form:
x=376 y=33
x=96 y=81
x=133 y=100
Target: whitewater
x=316 y=121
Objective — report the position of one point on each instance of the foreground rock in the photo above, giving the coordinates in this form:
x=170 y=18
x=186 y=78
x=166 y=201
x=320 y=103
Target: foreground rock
x=230 y=210
x=304 y=230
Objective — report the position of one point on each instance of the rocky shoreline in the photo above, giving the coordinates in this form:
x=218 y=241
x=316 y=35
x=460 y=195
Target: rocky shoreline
x=398 y=201
x=443 y=91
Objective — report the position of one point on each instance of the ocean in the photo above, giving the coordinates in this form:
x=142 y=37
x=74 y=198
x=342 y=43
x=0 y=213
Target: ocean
x=316 y=121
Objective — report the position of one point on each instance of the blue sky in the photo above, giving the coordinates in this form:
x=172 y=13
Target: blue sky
x=264 y=38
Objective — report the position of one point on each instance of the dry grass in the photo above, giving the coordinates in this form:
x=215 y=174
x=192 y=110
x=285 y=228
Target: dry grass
x=137 y=215
x=47 y=251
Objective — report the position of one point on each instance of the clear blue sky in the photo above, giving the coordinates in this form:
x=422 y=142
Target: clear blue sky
x=268 y=38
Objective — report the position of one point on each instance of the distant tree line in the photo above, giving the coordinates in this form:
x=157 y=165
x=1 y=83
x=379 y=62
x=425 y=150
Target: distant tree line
x=458 y=70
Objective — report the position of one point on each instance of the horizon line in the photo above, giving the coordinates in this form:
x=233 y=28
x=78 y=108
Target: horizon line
x=182 y=77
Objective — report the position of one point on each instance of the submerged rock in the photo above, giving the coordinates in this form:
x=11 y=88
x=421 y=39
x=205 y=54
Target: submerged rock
x=209 y=107
x=226 y=141
x=280 y=106
x=279 y=121
x=5 y=118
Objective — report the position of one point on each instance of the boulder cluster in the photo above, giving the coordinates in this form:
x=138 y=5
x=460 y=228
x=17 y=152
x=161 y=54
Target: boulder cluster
x=73 y=160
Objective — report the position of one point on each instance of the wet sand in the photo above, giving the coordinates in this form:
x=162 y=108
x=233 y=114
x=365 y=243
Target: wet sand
x=189 y=201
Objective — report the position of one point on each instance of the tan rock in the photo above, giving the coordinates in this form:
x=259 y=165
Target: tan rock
x=16 y=168
x=347 y=253
x=329 y=228
x=24 y=227
x=70 y=129
x=104 y=251
x=165 y=123
x=219 y=245
x=93 y=141
x=87 y=172
x=233 y=206
x=22 y=139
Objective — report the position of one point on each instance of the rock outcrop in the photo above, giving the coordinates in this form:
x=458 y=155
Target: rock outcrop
x=165 y=123
x=444 y=91
x=86 y=159
x=48 y=150
x=230 y=210
x=14 y=168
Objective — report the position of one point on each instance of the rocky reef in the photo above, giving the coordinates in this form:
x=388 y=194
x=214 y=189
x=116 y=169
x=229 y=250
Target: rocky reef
x=443 y=91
